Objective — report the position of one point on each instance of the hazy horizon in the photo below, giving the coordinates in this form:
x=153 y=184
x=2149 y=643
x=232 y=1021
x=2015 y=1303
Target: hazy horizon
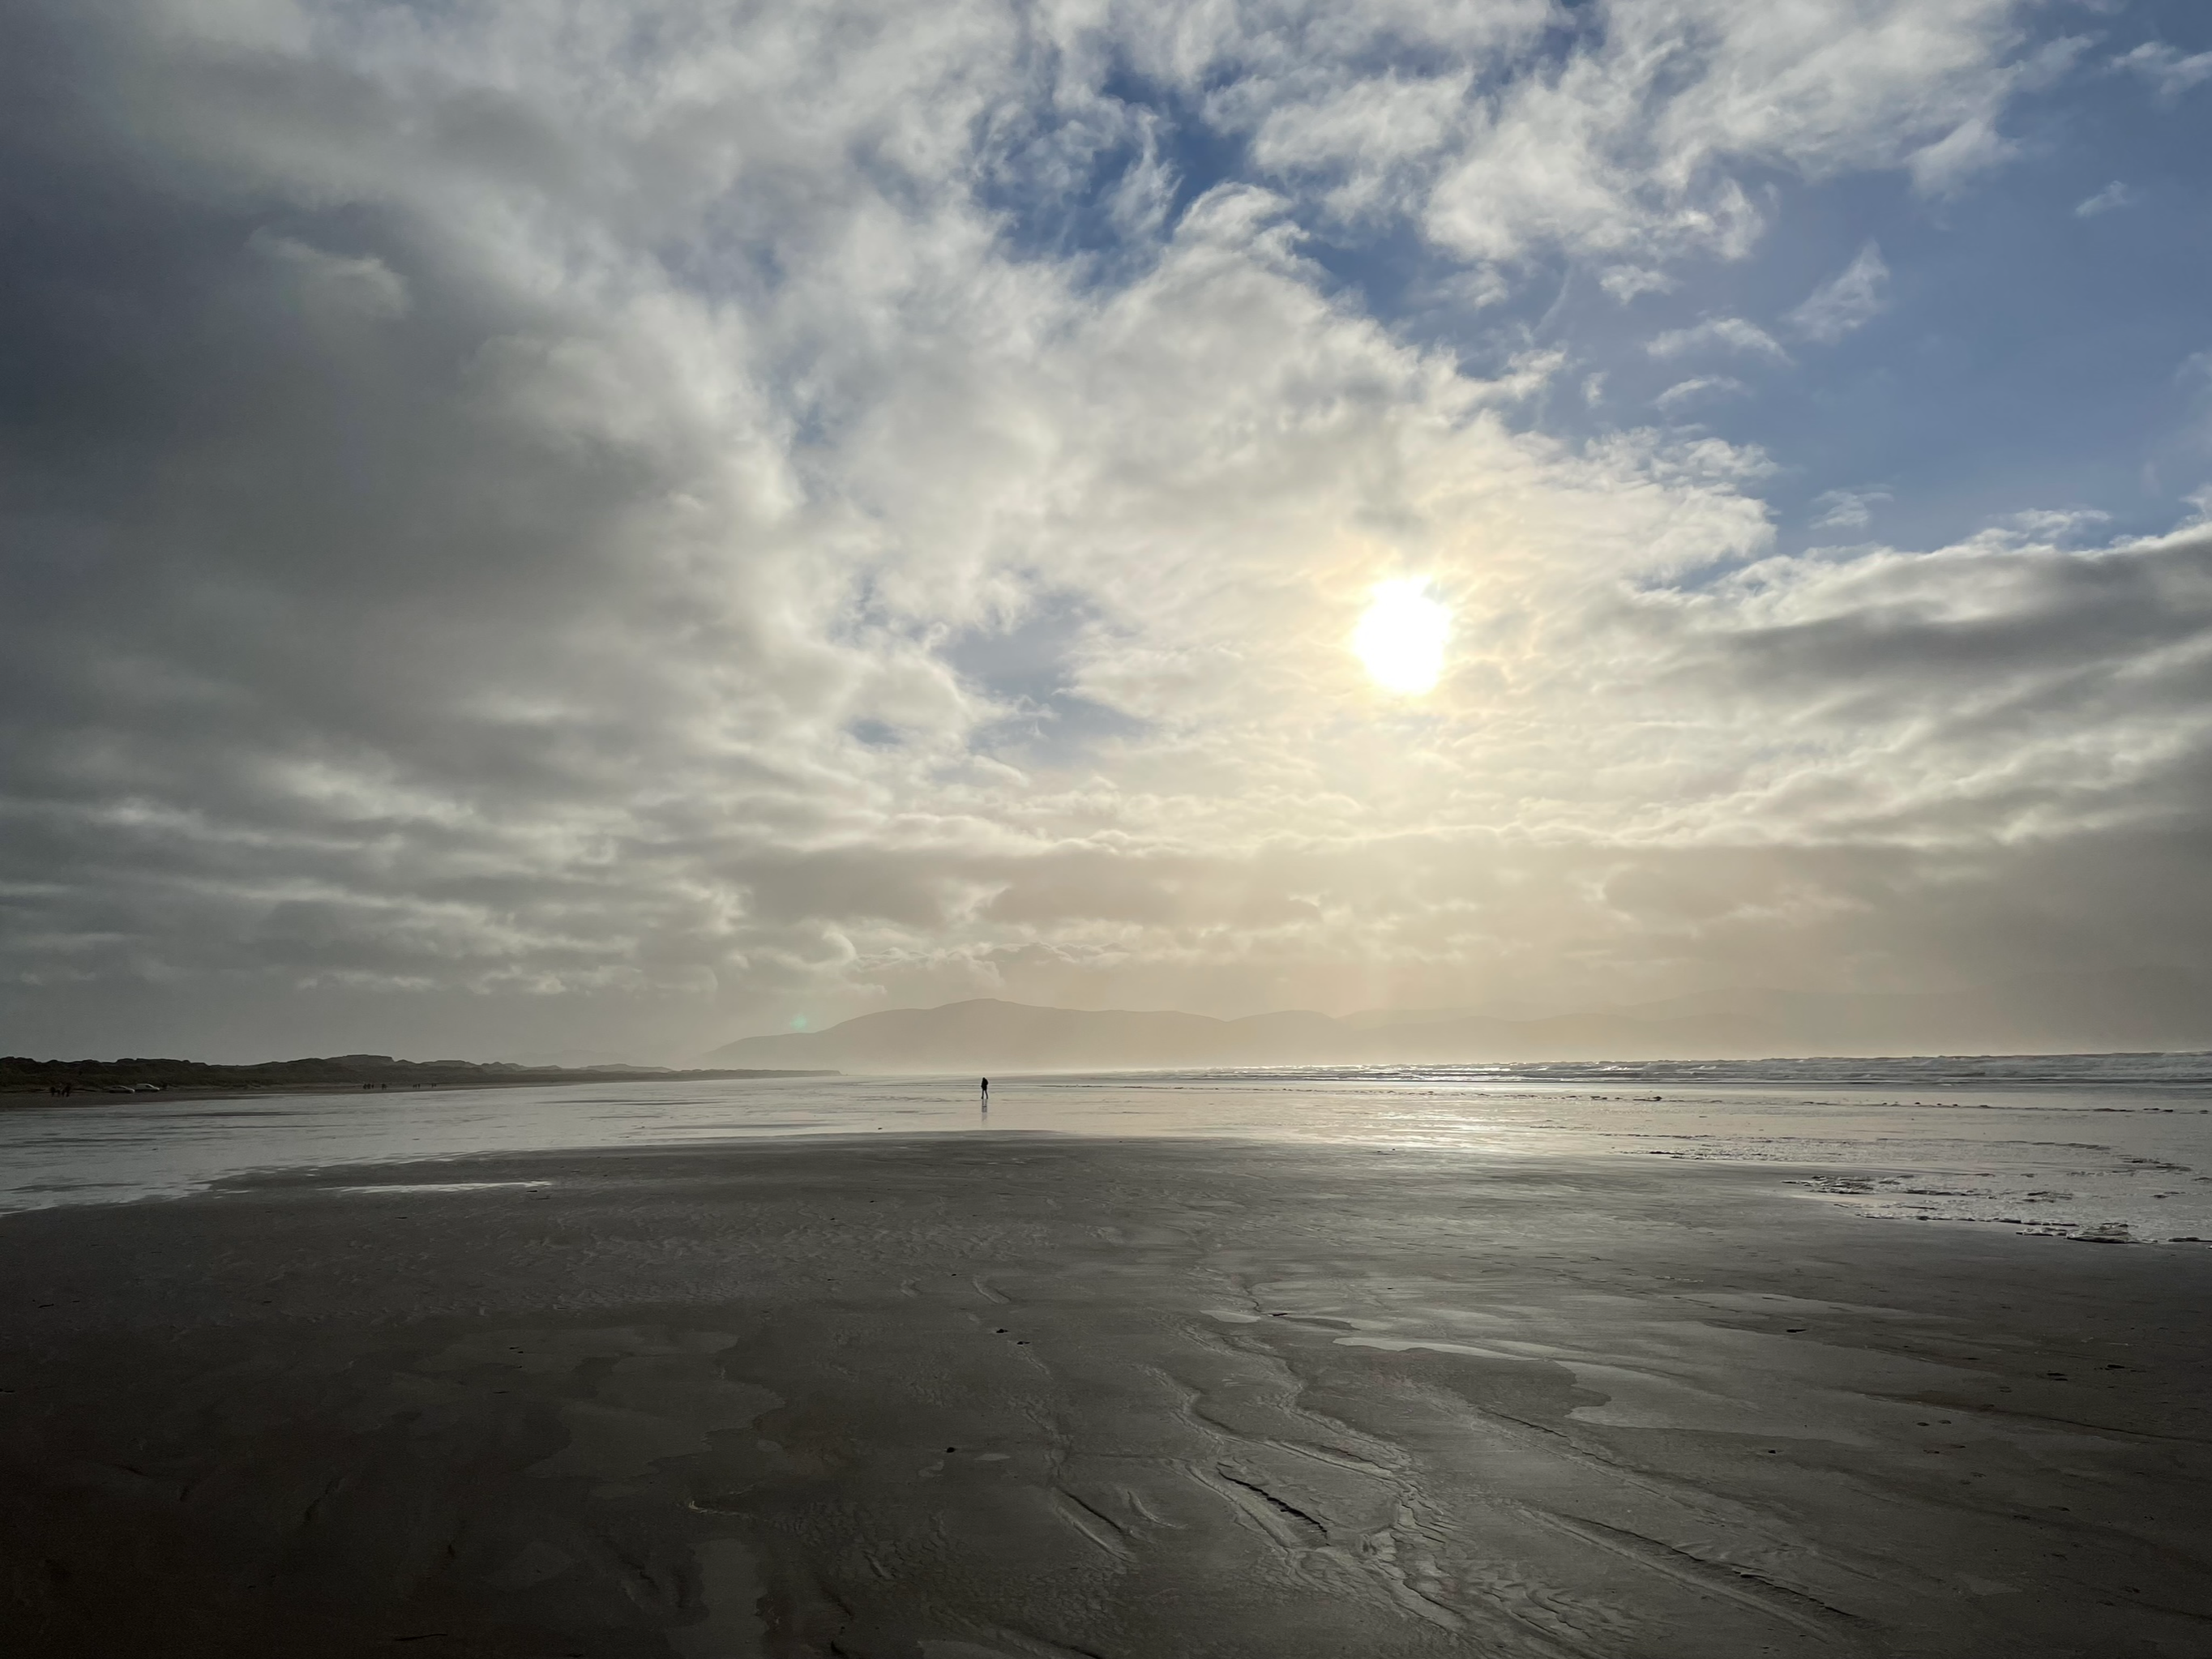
x=2140 y=1013
x=602 y=538
x=2149 y=1009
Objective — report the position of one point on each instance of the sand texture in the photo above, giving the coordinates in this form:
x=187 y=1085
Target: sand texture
x=1010 y=1397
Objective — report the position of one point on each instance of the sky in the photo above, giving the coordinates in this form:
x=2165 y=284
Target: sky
x=584 y=529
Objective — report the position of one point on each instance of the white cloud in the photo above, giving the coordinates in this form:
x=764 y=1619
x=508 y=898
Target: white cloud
x=1847 y=509
x=1372 y=133
x=1700 y=389
x=1848 y=302
x=2053 y=525
x=1631 y=147
x=2168 y=71
x=1718 y=334
x=2112 y=197
x=1973 y=147
x=1625 y=282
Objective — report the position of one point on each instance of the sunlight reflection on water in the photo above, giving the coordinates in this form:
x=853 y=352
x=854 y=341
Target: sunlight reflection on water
x=2076 y=1153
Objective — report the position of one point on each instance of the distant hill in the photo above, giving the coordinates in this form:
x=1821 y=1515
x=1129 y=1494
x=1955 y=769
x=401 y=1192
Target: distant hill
x=2149 y=1009
x=21 y=1076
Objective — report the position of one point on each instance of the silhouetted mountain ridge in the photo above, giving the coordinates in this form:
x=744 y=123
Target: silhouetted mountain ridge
x=2145 y=1009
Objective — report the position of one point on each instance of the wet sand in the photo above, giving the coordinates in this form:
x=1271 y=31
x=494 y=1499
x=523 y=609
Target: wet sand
x=946 y=1398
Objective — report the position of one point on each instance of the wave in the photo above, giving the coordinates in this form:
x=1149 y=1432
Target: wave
x=2121 y=1071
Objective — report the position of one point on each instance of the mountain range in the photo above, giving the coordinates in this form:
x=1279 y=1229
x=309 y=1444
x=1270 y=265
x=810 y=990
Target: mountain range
x=2145 y=1009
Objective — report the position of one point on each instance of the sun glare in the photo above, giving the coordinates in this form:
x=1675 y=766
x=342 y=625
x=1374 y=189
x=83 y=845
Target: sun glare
x=1402 y=638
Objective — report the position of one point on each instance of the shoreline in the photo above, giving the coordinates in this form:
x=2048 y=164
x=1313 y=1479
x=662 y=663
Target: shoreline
x=2093 y=1167
x=1834 y=1190
x=98 y=1096
x=1006 y=1395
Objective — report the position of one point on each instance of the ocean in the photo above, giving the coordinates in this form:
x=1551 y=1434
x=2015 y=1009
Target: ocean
x=2098 y=1147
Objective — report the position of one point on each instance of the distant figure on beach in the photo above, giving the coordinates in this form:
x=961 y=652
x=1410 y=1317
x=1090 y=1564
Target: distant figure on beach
x=986 y=1094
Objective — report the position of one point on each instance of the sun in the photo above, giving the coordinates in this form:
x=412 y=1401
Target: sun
x=1402 y=638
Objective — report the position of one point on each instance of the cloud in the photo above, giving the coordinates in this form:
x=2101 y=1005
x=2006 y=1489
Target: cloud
x=1848 y=509
x=2168 y=71
x=1971 y=147
x=1850 y=301
x=1631 y=133
x=1625 y=282
x=1698 y=389
x=1975 y=146
x=604 y=536
x=2057 y=524
x=334 y=288
x=1718 y=334
x=1373 y=134
x=2020 y=642
x=2112 y=197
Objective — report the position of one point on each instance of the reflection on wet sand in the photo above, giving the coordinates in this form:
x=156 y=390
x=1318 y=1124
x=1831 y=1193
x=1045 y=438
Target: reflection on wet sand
x=1006 y=1395
x=2128 y=1157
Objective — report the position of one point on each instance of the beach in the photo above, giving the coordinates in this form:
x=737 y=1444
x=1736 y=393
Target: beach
x=903 y=1396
